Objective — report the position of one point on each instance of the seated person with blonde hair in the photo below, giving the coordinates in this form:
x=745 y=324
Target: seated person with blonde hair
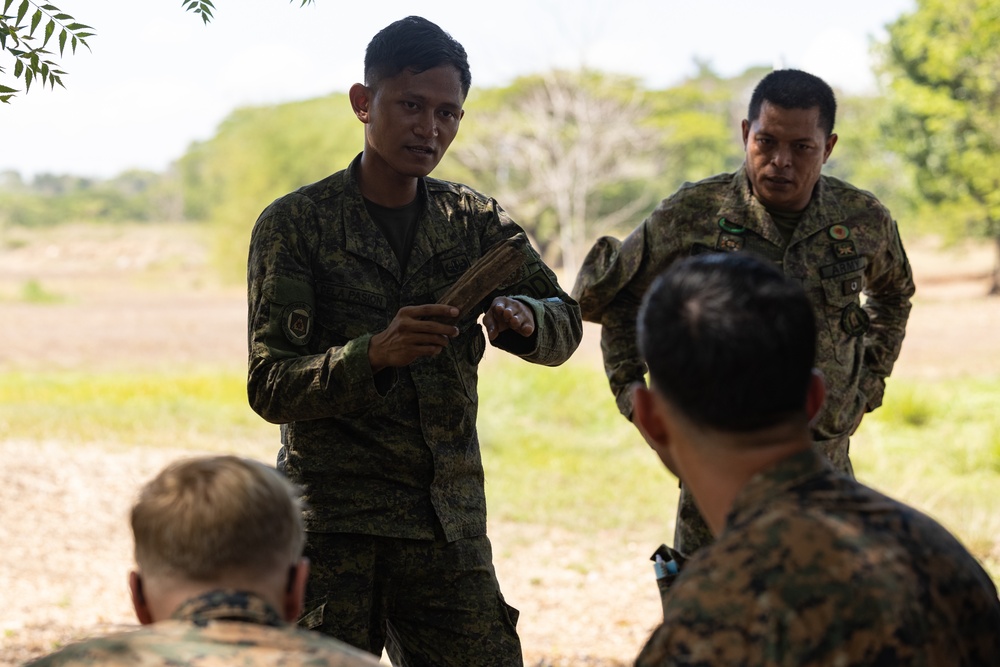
x=219 y=574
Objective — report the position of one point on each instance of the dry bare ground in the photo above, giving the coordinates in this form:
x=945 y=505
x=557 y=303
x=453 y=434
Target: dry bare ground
x=140 y=299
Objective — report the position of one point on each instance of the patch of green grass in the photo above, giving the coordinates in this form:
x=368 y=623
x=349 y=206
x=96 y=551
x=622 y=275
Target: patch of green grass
x=556 y=451
x=32 y=291
x=200 y=409
x=947 y=464
x=907 y=405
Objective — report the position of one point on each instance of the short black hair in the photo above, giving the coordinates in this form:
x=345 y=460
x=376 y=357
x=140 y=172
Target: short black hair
x=795 y=89
x=730 y=341
x=416 y=44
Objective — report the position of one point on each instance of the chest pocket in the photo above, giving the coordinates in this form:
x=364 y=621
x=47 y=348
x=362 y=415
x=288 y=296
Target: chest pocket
x=846 y=320
x=345 y=312
x=843 y=290
x=843 y=281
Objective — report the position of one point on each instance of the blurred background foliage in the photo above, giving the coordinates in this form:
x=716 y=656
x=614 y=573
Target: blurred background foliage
x=573 y=155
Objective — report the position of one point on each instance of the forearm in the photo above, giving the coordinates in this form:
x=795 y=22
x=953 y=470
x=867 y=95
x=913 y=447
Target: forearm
x=888 y=300
x=558 y=331
x=298 y=388
x=622 y=360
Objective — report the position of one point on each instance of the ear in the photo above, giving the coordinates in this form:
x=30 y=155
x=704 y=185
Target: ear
x=295 y=593
x=746 y=132
x=361 y=99
x=831 y=141
x=815 y=394
x=646 y=417
x=139 y=603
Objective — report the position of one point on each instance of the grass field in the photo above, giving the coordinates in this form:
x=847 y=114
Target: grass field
x=122 y=351
x=555 y=449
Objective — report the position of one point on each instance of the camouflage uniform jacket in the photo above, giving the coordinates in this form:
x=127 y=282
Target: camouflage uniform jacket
x=845 y=245
x=813 y=568
x=215 y=629
x=394 y=454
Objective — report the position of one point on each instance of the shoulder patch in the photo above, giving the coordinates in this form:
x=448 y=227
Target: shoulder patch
x=296 y=322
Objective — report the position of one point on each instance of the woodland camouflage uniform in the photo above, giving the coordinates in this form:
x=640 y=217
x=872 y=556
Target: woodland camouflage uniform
x=394 y=454
x=846 y=244
x=813 y=568
x=217 y=629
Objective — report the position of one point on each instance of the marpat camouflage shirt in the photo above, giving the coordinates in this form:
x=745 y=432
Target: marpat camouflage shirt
x=813 y=568
x=846 y=244
x=394 y=455
x=220 y=628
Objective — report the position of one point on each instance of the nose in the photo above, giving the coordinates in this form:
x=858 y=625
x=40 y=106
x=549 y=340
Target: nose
x=426 y=125
x=782 y=156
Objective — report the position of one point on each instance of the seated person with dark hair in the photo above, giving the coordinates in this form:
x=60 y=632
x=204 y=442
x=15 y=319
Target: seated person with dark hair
x=808 y=566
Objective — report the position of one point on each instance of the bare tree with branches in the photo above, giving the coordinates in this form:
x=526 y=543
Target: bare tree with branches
x=556 y=155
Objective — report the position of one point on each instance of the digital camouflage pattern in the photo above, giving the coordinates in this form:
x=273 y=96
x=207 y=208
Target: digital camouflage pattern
x=813 y=568
x=358 y=580
x=395 y=454
x=219 y=629
x=846 y=244
x=392 y=455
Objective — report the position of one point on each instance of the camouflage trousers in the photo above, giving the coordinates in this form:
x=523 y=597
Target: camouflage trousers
x=691 y=532
x=426 y=602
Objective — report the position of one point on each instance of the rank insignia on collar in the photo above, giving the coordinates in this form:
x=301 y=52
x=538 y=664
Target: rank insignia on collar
x=839 y=232
x=844 y=250
x=731 y=227
x=730 y=242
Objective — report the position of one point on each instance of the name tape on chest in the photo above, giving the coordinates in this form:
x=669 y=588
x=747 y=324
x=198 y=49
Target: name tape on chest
x=843 y=268
x=353 y=295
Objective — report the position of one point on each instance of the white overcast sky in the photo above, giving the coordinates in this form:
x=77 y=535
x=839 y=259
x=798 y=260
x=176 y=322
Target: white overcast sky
x=158 y=79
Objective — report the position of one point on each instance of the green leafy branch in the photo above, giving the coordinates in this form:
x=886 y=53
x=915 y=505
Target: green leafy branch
x=18 y=36
x=204 y=8
x=33 y=61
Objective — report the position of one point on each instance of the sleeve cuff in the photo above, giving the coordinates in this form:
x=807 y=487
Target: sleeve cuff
x=873 y=387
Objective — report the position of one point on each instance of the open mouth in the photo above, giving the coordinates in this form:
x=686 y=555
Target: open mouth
x=420 y=150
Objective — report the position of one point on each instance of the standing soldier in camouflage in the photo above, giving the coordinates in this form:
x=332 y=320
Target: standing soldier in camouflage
x=809 y=567
x=374 y=383
x=219 y=576
x=838 y=241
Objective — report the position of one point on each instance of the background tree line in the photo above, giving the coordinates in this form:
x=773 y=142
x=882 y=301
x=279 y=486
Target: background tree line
x=576 y=154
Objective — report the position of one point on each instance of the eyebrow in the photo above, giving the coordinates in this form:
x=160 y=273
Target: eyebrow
x=424 y=99
x=800 y=140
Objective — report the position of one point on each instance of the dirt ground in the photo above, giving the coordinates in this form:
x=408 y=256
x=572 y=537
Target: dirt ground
x=123 y=297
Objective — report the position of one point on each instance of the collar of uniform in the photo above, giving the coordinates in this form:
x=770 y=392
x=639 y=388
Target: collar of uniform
x=823 y=211
x=741 y=207
x=773 y=482
x=442 y=226
x=361 y=236
x=428 y=241
x=228 y=605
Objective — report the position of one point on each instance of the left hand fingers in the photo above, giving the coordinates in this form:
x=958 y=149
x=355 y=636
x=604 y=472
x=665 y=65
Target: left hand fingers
x=511 y=314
